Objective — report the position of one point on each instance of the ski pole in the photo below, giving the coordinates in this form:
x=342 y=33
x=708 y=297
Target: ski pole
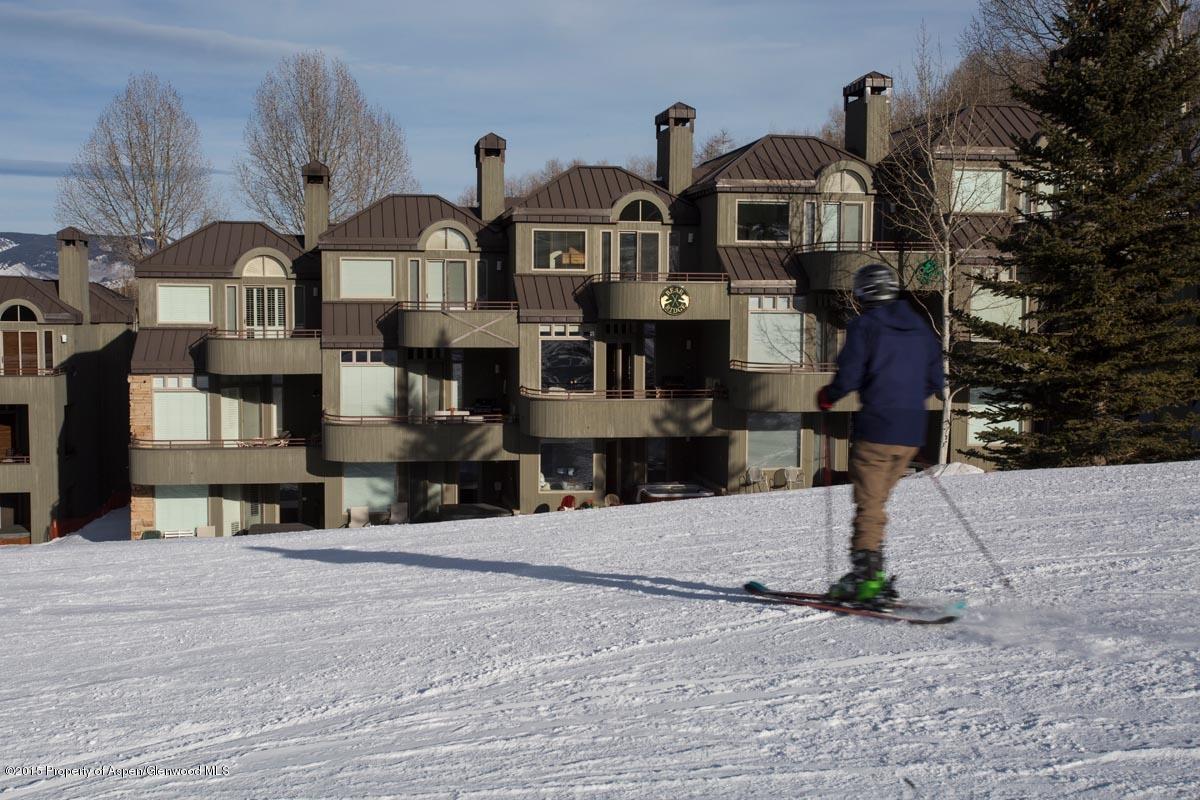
x=971 y=531
x=827 y=467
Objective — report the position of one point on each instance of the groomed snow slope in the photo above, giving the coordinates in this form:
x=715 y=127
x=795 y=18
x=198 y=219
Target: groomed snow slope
x=609 y=654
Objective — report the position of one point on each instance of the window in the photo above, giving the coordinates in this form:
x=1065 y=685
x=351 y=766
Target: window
x=231 y=308
x=638 y=252
x=565 y=465
x=367 y=384
x=978 y=191
x=370 y=486
x=776 y=330
x=18 y=353
x=180 y=508
x=773 y=440
x=481 y=280
x=264 y=267
x=1032 y=205
x=48 y=349
x=446 y=282
x=180 y=408
x=185 y=305
x=606 y=264
x=762 y=221
x=845 y=182
x=18 y=312
x=567 y=360
x=366 y=277
x=982 y=400
x=838 y=223
x=447 y=239
x=559 y=249
x=991 y=307
x=641 y=211
x=266 y=308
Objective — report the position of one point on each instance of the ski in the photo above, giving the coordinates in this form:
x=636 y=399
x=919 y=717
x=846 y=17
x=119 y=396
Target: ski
x=897 y=613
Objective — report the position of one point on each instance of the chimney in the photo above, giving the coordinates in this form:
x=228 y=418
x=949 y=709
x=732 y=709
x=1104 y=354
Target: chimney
x=489 y=176
x=316 y=201
x=868 y=104
x=73 y=286
x=675 y=129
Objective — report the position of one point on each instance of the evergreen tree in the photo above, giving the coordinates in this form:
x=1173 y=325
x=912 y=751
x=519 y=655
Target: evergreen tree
x=1106 y=366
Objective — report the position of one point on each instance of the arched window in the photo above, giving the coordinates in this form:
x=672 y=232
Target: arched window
x=18 y=312
x=845 y=182
x=447 y=239
x=264 y=267
x=641 y=211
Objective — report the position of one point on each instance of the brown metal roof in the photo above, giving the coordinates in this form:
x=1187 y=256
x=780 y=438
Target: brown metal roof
x=397 y=221
x=996 y=127
x=552 y=298
x=212 y=251
x=596 y=190
x=678 y=110
x=72 y=234
x=42 y=294
x=109 y=307
x=777 y=265
x=168 y=350
x=490 y=141
x=975 y=233
x=775 y=157
x=365 y=324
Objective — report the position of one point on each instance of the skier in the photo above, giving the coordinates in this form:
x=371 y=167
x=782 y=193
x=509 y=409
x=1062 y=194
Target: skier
x=894 y=362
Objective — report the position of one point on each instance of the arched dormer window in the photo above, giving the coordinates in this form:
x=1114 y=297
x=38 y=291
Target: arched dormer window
x=845 y=182
x=447 y=239
x=18 y=312
x=264 y=267
x=641 y=211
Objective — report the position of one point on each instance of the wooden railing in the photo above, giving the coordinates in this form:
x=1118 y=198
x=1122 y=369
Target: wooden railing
x=790 y=369
x=266 y=333
x=620 y=394
x=457 y=418
x=192 y=444
x=457 y=305
x=28 y=372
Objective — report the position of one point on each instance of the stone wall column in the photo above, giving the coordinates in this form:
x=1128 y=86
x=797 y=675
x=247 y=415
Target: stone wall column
x=141 y=426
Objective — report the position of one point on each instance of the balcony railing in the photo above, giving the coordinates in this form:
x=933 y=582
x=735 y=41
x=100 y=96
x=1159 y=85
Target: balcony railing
x=786 y=369
x=621 y=394
x=449 y=418
x=266 y=333
x=657 y=277
x=187 y=444
x=27 y=372
x=13 y=458
x=457 y=305
x=850 y=246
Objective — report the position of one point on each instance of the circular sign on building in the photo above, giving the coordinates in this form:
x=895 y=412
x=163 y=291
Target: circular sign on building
x=674 y=300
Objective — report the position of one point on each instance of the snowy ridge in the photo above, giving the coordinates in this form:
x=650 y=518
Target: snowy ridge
x=609 y=654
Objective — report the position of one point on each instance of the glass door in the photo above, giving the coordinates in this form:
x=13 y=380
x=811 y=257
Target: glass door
x=266 y=311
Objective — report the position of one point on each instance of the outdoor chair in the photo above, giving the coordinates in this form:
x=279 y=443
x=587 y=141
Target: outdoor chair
x=398 y=514
x=755 y=480
x=358 y=517
x=795 y=477
x=780 y=479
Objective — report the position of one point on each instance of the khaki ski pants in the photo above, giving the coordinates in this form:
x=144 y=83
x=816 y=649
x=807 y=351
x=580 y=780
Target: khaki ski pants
x=874 y=471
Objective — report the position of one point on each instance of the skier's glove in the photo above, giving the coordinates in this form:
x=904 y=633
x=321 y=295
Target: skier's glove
x=823 y=401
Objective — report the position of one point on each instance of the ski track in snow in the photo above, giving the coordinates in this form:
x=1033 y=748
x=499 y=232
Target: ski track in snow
x=611 y=654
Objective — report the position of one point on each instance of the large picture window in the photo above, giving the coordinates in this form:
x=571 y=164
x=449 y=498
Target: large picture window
x=367 y=384
x=566 y=359
x=560 y=250
x=983 y=399
x=978 y=191
x=762 y=221
x=836 y=224
x=370 y=486
x=565 y=465
x=638 y=252
x=773 y=440
x=776 y=330
x=991 y=307
x=366 y=278
x=185 y=305
x=180 y=508
x=180 y=407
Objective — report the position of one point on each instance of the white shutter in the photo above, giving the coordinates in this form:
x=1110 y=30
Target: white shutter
x=180 y=508
x=181 y=415
x=369 y=485
x=189 y=305
x=368 y=391
x=362 y=277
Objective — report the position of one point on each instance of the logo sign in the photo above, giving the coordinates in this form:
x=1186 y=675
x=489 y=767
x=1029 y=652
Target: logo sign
x=674 y=300
x=928 y=272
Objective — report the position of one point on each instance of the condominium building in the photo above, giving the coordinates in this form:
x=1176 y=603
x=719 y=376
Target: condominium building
x=64 y=353
x=586 y=343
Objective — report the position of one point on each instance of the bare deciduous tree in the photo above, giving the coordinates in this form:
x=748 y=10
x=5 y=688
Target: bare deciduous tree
x=526 y=182
x=715 y=145
x=643 y=166
x=310 y=107
x=140 y=179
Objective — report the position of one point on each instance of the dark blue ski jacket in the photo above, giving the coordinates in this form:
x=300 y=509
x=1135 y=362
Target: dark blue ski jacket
x=894 y=362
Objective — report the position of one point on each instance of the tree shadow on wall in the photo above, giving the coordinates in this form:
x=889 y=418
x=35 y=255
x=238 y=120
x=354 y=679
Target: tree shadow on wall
x=656 y=586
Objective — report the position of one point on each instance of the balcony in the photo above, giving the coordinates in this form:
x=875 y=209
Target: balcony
x=658 y=297
x=446 y=436
x=264 y=352
x=474 y=324
x=236 y=461
x=830 y=266
x=781 y=387
x=618 y=413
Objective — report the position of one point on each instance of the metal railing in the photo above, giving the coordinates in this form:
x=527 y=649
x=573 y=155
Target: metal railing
x=457 y=305
x=850 y=246
x=620 y=394
x=266 y=333
x=13 y=458
x=789 y=369
x=457 y=417
x=192 y=444
x=28 y=372
x=660 y=277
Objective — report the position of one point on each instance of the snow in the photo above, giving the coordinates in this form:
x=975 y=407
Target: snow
x=946 y=470
x=112 y=527
x=609 y=654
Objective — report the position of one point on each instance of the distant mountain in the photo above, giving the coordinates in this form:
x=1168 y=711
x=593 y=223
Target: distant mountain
x=35 y=255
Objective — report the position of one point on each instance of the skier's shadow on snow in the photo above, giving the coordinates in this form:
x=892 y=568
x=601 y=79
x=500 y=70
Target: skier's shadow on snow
x=663 y=587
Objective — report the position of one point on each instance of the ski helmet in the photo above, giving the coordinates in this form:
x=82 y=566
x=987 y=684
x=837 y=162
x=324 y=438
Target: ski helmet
x=876 y=284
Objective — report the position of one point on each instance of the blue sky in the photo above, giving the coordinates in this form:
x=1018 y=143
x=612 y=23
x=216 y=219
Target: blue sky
x=554 y=77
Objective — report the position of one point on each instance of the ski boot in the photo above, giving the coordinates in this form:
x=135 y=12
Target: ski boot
x=866 y=583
